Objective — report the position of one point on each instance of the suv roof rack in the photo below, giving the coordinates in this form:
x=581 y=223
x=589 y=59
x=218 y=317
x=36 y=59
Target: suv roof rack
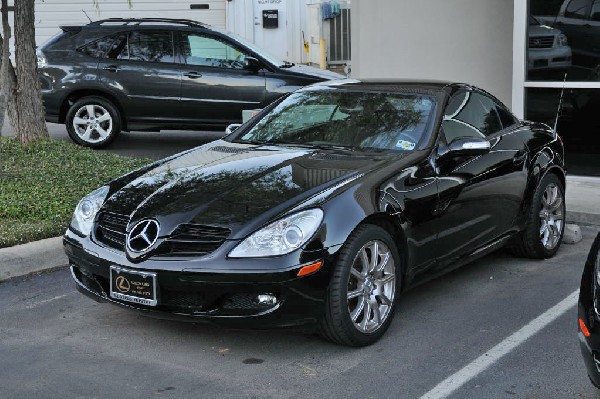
x=139 y=21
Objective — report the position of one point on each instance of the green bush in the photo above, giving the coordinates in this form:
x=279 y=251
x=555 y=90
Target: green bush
x=41 y=183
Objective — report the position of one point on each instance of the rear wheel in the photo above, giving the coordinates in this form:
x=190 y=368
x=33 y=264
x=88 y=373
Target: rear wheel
x=546 y=221
x=363 y=290
x=93 y=122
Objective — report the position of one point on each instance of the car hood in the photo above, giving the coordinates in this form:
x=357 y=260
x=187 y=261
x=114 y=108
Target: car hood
x=233 y=185
x=542 y=30
x=314 y=72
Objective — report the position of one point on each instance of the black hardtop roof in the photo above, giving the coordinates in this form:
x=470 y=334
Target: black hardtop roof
x=392 y=84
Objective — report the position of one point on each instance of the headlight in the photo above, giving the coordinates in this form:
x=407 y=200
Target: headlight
x=41 y=59
x=280 y=237
x=561 y=40
x=86 y=210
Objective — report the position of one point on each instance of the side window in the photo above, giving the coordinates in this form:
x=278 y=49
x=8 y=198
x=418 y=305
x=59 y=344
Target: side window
x=595 y=13
x=145 y=46
x=577 y=9
x=98 y=48
x=506 y=118
x=470 y=114
x=206 y=51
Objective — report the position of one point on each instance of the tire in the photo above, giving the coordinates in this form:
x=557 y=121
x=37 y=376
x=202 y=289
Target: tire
x=345 y=322
x=97 y=130
x=545 y=221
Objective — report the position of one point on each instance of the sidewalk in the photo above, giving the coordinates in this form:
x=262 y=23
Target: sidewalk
x=583 y=200
x=583 y=207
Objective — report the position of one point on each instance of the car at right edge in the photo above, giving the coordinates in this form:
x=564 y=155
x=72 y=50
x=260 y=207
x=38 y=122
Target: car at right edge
x=589 y=313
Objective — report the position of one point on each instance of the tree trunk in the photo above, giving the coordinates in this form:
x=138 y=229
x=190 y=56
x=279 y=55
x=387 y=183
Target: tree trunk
x=29 y=106
x=8 y=79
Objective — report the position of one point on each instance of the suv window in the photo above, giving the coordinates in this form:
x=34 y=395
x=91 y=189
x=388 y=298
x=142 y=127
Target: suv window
x=577 y=9
x=144 y=46
x=98 y=48
x=470 y=114
x=206 y=51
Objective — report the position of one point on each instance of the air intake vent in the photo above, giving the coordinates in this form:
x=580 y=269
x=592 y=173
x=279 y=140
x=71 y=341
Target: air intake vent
x=110 y=230
x=193 y=240
x=229 y=150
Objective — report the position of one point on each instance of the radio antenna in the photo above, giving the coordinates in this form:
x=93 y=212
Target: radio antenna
x=88 y=17
x=562 y=92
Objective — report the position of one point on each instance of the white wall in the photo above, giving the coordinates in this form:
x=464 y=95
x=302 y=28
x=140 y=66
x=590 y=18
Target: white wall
x=50 y=14
x=468 y=41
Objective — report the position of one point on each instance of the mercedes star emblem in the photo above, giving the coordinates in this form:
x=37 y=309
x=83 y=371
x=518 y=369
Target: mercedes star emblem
x=143 y=236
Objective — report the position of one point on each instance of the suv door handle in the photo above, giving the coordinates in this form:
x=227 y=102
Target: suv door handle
x=111 y=68
x=193 y=75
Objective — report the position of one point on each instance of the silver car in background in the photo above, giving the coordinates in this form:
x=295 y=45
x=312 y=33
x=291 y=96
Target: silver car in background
x=547 y=47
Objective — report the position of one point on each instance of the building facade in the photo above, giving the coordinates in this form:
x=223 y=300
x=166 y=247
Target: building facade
x=519 y=50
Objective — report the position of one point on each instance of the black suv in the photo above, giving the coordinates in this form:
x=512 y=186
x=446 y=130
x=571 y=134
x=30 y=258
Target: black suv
x=153 y=73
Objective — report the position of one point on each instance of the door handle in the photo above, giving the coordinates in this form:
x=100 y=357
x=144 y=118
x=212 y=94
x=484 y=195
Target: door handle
x=111 y=68
x=193 y=75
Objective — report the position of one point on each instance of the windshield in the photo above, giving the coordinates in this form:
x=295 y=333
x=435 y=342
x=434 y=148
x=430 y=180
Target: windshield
x=340 y=118
x=269 y=57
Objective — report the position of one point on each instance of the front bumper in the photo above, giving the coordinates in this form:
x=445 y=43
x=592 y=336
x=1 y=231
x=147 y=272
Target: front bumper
x=545 y=59
x=590 y=346
x=226 y=297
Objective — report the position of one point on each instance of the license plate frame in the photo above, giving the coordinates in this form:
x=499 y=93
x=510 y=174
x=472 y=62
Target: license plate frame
x=133 y=286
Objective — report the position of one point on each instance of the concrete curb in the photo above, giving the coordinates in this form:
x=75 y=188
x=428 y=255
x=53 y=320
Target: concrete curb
x=583 y=218
x=33 y=257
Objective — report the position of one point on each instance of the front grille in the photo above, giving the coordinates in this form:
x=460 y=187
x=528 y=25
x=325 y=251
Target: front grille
x=541 y=42
x=110 y=229
x=193 y=240
x=186 y=301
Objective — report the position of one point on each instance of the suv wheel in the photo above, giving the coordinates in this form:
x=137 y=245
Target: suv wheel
x=93 y=122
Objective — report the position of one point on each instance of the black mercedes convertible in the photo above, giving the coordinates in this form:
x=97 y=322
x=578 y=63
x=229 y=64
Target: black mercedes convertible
x=323 y=208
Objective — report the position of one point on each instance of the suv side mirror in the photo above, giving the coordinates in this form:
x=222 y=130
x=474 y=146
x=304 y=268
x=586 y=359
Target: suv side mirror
x=252 y=64
x=467 y=146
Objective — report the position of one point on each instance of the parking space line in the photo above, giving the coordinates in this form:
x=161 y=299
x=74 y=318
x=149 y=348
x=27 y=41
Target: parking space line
x=45 y=301
x=483 y=362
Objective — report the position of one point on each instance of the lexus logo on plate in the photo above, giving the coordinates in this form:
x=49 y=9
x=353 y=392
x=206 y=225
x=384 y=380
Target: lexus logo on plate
x=143 y=236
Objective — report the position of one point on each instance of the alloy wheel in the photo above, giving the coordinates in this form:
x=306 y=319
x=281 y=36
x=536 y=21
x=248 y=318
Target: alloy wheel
x=551 y=216
x=93 y=123
x=371 y=286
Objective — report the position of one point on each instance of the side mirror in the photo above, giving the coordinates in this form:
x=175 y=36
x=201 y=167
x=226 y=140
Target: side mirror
x=252 y=64
x=467 y=146
x=232 y=127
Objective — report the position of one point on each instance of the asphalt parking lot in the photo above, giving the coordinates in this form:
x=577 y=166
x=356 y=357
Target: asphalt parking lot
x=54 y=342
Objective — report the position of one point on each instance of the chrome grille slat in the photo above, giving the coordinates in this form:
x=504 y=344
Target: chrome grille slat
x=541 y=42
x=110 y=229
x=193 y=240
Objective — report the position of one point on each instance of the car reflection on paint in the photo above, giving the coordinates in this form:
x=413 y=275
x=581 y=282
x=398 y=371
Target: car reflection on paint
x=323 y=208
x=589 y=313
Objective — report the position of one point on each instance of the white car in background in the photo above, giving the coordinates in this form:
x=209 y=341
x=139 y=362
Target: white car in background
x=547 y=47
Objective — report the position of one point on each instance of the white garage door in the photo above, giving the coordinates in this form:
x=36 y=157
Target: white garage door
x=50 y=14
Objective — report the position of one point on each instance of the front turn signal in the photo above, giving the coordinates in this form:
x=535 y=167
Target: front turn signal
x=308 y=269
x=583 y=328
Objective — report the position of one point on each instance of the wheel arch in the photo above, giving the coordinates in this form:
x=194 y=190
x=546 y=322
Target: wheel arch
x=393 y=227
x=79 y=94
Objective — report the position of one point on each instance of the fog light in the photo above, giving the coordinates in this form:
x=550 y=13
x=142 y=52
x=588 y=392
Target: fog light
x=266 y=299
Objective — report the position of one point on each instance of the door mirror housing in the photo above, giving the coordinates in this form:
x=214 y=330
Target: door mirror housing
x=252 y=64
x=466 y=146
